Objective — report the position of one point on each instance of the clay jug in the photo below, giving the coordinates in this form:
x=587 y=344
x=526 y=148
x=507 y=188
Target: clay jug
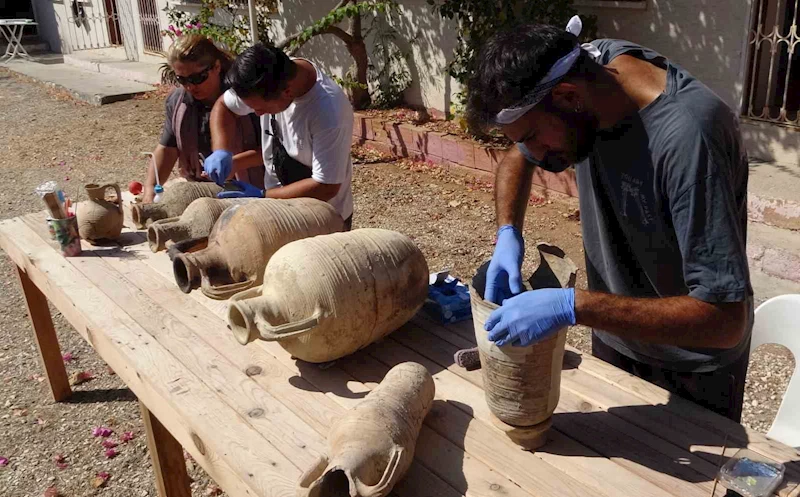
x=244 y=238
x=328 y=296
x=99 y=218
x=522 y=384
x=196 y=222
x=372 y=446
x=176 y=198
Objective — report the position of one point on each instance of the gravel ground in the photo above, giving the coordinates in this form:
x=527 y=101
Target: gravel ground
x=46 y=135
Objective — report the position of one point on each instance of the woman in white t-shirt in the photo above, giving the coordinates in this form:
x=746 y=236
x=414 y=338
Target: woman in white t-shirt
x=308 y=126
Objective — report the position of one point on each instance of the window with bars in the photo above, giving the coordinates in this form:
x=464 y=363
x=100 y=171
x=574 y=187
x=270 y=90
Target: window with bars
x=773 y=78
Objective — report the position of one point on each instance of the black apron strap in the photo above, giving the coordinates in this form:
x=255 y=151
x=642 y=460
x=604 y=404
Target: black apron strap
x=287 y=168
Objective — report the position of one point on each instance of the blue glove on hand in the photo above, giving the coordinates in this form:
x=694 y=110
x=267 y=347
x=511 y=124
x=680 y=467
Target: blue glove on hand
x=218 y=166
x=248 y=190
x=503 y=277
x=531 y=316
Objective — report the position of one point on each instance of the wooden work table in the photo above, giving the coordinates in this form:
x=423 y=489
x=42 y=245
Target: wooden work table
x=255 y=419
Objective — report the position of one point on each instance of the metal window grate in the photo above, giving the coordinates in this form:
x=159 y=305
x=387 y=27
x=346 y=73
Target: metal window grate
x=773 y=82
x=151 y=26
x=93 y=24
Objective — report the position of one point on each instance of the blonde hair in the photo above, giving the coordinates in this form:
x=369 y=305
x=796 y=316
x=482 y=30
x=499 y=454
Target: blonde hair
x=198 y=49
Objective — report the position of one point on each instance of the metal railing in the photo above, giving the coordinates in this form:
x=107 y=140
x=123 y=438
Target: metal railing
x=151 y=27
x=773 y=82
x=93 y=24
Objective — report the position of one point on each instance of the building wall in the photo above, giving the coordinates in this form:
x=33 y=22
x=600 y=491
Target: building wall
x=50 y=14
x=428 y=38
x=709 y=38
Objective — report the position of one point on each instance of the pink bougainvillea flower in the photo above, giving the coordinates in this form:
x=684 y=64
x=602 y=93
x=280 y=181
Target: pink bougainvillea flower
x=212 y=490
x=3 y=462
x=101 y=479
x=109 y=444
x=127 y=436
x=61 y=461
x=68 y=357
x=102 y=431
x=178 y=32
x=171 y=28
x=111 y=453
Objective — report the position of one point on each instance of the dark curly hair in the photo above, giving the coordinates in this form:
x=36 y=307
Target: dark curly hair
x=260 y=70
x=511 y=64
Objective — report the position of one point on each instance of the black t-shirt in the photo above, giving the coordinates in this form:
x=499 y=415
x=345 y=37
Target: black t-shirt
x=663 y=200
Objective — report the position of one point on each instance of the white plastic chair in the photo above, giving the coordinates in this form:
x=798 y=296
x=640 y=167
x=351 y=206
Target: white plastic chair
x=778 y=321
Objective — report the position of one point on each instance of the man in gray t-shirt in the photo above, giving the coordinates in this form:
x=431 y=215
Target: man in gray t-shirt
x=662 y=178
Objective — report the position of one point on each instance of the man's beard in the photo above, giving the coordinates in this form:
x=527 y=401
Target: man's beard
x=581 y=128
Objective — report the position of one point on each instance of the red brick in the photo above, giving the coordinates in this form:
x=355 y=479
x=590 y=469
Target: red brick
x=430 y=142
x=451 y=149
x=483 y=158
x=467 y=154
x=407 y=137
x=379 y=132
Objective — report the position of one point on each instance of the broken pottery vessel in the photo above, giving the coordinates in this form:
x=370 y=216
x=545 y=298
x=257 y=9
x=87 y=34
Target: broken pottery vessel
x=99 y=218
x=522 y=384
x=328 y=296
x=176 y=198
x=196 y=222
x=372 y=446
x=244 y=238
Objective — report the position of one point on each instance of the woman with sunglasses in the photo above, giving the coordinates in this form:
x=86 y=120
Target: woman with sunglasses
x=198 y=66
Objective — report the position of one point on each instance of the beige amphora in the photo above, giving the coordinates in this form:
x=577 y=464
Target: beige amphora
x=329 y=296
x=100 y=217
x=176 y=198
x=522 y=385
x=244 y=239
x=196 y=222
x=372 y=446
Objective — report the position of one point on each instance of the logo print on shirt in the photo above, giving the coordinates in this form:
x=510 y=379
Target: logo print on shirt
x=631 y=188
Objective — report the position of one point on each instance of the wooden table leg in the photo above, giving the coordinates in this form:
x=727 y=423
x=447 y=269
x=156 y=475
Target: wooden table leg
x=169 y=465
x=46 y=339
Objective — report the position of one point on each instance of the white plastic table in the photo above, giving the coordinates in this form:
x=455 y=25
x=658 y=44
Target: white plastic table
x=12 y=31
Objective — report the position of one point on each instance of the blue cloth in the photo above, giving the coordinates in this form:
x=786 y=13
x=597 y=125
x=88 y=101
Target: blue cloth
x=246 y=190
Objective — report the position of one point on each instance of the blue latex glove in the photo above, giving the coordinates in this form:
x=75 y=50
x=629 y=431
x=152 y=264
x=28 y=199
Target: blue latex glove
x=247 y=190
x=531 y=316
x=218 y=166
x=503 y=277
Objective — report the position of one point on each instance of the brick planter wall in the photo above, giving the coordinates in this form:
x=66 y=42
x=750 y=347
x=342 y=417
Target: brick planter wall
x=406 y=140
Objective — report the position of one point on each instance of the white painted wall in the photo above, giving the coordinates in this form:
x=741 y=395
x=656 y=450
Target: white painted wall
x=429 y=39
x=709 y=38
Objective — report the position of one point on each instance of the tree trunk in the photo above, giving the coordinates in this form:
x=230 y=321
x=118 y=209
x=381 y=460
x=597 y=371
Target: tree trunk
x=358 y=50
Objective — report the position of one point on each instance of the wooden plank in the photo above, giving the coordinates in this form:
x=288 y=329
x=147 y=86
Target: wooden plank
x=677 y=421
x=304 y=401
x=44 y=335
x=474 y=479
x=659 y=421
x=238 y=458
x=479 y=441
x=670 y=468
x=169 y=466
x=706 y=418
x=565 y=454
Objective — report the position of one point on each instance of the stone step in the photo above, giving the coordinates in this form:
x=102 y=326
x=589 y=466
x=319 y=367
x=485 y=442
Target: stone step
x=774 y=194
x=113 y=62
x=774 y=257
x=97 y=89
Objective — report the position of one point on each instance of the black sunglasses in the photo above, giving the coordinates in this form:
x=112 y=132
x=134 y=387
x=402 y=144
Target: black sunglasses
x=197 y=78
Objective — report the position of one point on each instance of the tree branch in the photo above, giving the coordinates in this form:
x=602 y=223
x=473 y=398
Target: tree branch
x=288 y=40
